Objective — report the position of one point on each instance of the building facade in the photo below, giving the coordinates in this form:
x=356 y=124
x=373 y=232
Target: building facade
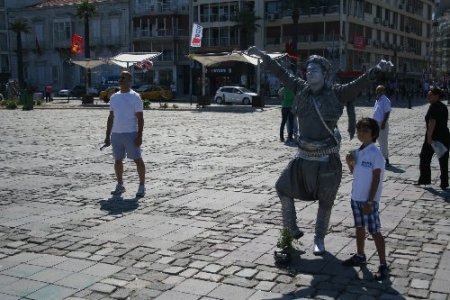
x=163 y=26
x=352 y=34
x=46 y=47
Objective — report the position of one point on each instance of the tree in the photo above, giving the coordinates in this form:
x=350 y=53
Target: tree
x=85 y=11
x=18 y=27
x=246 y=23
x=295 y=6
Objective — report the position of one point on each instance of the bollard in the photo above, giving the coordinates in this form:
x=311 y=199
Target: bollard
x=27 y=99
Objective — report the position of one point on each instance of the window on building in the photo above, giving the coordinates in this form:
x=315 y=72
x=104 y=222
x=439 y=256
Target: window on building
x=224 y=36
x=3 y=42
x=224 y=12
x=115 y=24
x=273 y=7
x=234 y=36
x=55 y=75
x=3 y=21
x=95 y=31
x=62 y=30
x=214 y=13
x=204 y=12
x=4 y=63
x=368 y=8
x=234 y=8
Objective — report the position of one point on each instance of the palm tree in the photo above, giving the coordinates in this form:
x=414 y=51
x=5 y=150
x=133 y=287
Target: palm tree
x=19 y=26
x=86 y=10
x=246 y=23
x=295 y=6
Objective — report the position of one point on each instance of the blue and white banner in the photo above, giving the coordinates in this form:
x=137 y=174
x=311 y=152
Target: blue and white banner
x=197 y=34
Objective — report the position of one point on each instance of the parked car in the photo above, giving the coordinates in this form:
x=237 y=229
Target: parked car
x=234 y=94
x=156 y=92
x=141 y=88
x=64 y=93
x=106 y=94
x=80 y=90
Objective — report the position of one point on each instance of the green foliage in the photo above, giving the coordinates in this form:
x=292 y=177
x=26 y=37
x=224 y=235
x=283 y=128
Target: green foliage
x=3 y=103
x=20 y=26
x=285 y=240
x=86 y=10
x=175 y=106
x=147 y=103
x=39 y=102
x=246 y=23
x=164 y=105
x=11 y=104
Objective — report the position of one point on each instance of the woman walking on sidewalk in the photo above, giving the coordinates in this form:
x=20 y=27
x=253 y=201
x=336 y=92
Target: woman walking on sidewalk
x=437 y=131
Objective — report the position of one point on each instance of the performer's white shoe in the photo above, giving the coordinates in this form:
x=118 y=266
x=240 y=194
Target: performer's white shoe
x=319 y=246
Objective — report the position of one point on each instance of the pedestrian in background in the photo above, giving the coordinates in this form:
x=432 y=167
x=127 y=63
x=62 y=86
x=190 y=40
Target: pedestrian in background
x=287 y=117
x=124 y=132
x=382 y=110
x=437 y=130
x=48 y=89
x=367 y=167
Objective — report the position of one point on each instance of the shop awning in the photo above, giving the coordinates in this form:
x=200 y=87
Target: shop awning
x=126 y=60
x=214 y=58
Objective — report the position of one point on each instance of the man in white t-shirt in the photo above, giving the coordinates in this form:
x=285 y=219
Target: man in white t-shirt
x=124 y=131
x=381 y=112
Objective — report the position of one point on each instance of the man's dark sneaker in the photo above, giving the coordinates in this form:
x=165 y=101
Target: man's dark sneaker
x=444 y=186
x=382 y=273
x=282 y=139
x=355 y=261
x=387 y=162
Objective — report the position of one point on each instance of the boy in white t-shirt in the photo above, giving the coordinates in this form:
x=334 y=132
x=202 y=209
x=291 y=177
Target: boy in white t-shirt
x=367 y=165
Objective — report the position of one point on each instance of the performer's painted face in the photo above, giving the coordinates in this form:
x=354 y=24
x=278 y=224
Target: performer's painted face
x=314 y=74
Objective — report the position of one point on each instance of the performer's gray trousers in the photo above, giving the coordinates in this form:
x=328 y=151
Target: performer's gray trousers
x=309 y=180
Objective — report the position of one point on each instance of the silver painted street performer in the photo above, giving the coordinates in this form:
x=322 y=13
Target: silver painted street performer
x=315 y=173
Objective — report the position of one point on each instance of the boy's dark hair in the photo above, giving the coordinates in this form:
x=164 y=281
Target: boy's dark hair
x=437 y=91
x=372 y=125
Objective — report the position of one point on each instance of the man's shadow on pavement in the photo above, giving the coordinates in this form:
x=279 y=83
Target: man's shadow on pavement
x=443 y=194
x=117 y=205
x=332 y=279
x=394 y=169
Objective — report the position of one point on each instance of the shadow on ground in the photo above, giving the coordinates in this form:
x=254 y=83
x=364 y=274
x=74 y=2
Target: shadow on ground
x=330 y=279
x=438 y=192
x=117 y=205
x=394 y=169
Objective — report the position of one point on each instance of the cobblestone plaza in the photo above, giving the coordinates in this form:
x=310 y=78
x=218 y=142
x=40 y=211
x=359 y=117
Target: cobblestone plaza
x=210 y=220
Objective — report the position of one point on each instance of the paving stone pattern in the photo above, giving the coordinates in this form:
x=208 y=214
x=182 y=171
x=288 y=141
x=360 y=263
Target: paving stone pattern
x=209 y=223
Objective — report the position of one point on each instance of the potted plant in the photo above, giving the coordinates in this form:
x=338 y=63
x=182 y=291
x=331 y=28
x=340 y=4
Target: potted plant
x=284 y=244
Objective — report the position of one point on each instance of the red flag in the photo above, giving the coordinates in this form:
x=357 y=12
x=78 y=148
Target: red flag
x=77 y=44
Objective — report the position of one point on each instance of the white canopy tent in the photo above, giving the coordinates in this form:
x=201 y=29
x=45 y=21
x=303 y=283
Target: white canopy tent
x=89 y=63
x=211 y=59
x=125 y=60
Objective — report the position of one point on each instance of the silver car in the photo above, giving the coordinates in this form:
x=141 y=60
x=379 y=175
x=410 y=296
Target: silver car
x=234 y=94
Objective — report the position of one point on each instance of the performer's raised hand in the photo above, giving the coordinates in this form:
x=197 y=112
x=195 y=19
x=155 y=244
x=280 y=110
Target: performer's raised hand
x=384 y=65
x=255 y=51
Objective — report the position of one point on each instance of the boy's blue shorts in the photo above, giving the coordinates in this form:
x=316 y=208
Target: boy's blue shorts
x=372 y=220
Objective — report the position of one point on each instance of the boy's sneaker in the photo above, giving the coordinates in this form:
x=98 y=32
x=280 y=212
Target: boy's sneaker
x=141 y=191
x=382 y=273
x=120 y=189
x=355 y=261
